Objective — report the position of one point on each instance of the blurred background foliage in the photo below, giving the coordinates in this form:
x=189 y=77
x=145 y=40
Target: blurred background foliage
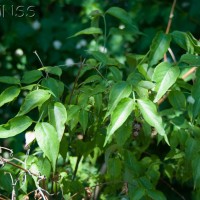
x=54 y=21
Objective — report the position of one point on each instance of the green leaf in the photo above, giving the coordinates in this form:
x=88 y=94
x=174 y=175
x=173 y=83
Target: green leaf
x=55 y=86
x=119 y=91
x=119 y=116
x=44 y=167
x=52 y=70
x=159 y=47
x=98 y=102
x=120 y=13
x=114 y=167
x=192 y=60
x=165 y=76
x=154 y=194
x=196 y=170
x=138 y=193
x=102 y=57
x=93 y=78
x=9 y=80
x=88 y=31
x=83 y=119
x=149 y=113
x=124 y=132
x=124 y=17
x=177 y=99
x=31 y=76
x=15 y=126
x=9 y=95
x=117 y=75
x=58 y=117
x=183 y=39
x=32 y=100
x=72 y=111
x=47 y=139
x=196 y=95
x=73 y=116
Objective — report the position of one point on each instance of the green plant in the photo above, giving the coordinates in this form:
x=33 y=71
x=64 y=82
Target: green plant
x=121 y=131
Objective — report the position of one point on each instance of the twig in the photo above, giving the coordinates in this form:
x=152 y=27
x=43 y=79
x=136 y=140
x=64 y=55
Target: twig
x=19 y=167
x=193 y=69
x=172 y=188
x=76 y=81
x=171 y=15
x=35 y=52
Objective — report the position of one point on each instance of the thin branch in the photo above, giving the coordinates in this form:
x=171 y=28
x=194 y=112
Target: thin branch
x=172 y=55
x=76 y=81
x=35 y=52
x=172 y=188
x=193 y=69
x=19 y=167
x=170 y=17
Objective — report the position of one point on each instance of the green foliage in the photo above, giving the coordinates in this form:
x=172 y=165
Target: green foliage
x=127 y=127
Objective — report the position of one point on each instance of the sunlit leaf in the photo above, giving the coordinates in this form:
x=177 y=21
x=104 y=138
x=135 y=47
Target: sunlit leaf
x=151 y=116
x=165 y=76
x=32 y=100
x=15 y=126
x=58 y=117
x=47 y=139
x=159 y=47
x=119 y=91
x=119 y=116
x=9 y=95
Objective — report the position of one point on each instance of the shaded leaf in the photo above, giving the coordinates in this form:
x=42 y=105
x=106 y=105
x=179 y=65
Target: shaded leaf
x=9 y=95
x=15 y=126
x=114 y=167
x=123 y=16
x=196 y=95
x=47 y=139
x=88 y=31
x=55 y=86
x=9 y=80
x=177 y=99
x=31 y=76
x=83 y=119
x=93 y=78
x=117 y=75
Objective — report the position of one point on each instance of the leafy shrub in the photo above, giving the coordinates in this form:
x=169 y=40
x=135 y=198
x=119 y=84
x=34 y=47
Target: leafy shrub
x=123 y=130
